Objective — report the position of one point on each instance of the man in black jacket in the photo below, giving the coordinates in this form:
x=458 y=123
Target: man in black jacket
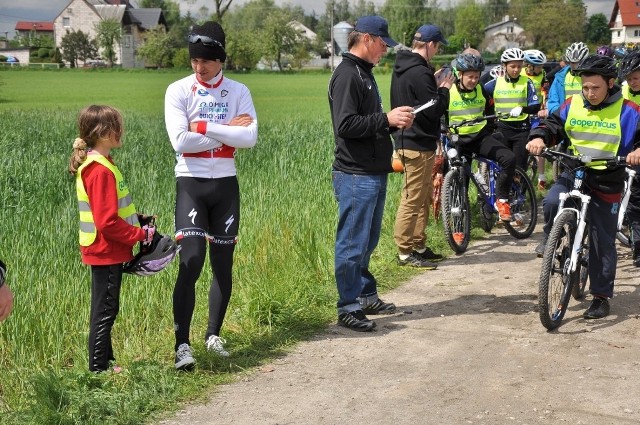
x=360 y=169
x=414 y=83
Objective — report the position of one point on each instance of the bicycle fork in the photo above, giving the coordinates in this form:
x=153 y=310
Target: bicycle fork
x=581 y=215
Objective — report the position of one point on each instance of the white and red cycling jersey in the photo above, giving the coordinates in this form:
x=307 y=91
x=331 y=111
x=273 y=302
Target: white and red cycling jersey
x=210 y=152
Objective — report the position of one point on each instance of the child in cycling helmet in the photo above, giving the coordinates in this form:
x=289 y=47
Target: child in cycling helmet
x=109 y=224
x=601 y=101
x=629 y=72
x=534 y=61
x=469 y=100
x=565 y=82
x=516 y=96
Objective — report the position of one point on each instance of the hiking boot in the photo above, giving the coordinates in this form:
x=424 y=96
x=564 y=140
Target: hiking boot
x=540 y=248
x=414 y=260
x=504 y=210
x=356 y=320
x=184 y=358
x=542 y=185
x=214 y=345
x=379 y=307
x=598 y=309
x=428 y=255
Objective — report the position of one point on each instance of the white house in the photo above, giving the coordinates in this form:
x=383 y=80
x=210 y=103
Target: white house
x=625 y=22
x=84 y=15
x=504 y=34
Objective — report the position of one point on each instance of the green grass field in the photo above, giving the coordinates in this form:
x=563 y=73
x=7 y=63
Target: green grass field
x=283 y=288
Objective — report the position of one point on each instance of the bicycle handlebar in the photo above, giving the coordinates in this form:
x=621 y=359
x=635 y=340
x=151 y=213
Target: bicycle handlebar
x=584 y=159
x=455 y=127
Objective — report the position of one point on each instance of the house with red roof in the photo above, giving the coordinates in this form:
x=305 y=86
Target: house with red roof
x=26 y=29
x=625 y=22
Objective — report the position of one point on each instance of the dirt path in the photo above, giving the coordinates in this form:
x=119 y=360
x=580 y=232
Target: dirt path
x=466 y=348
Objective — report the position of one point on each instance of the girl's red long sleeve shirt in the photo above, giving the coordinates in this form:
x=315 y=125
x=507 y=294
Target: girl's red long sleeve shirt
x=115 y=237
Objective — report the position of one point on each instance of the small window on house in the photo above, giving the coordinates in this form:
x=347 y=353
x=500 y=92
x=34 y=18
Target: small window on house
x=126 y=41
x=636 y=33
x=66 y=22
x=617 y=33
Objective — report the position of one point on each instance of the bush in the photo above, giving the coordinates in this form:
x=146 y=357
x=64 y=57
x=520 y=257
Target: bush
x=181 y=58
x=43 y=52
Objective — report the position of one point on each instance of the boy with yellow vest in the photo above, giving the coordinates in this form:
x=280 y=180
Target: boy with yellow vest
x=109 y=224
x=598 y=123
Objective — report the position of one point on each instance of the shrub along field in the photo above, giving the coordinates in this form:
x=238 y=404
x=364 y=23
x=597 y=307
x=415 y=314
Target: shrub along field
x=283 y=288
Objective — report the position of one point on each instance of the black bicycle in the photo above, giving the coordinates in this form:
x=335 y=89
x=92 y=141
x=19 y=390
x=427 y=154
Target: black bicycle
x=456 y=209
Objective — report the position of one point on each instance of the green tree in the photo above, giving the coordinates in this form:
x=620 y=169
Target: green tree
x=597 y=31
x=279 y=38
x=108 y=35
x=555 y=24
x=495 y=10
x=156 y=49
x=242 y=50
x=469 y=24
x=405 y=17
x=76 y=45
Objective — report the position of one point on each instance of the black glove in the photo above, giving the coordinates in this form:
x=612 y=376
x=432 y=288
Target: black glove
x=146 y=219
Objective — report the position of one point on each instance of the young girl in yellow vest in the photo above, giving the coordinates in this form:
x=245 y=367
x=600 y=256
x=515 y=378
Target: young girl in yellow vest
x=109 y=225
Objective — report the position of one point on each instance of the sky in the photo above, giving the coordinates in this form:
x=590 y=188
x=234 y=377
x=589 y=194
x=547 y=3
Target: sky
x=12 y=11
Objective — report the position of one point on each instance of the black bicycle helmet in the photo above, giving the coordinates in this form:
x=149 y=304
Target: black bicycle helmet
x=629 y=64
x=598 y=64
x=155 y=258
x=468 y=62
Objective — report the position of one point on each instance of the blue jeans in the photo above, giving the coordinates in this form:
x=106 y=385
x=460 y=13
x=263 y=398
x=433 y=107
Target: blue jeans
x=361 y=201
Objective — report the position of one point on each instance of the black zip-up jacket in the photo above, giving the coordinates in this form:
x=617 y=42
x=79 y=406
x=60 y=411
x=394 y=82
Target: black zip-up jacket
x=413 y=84
x=360 y=126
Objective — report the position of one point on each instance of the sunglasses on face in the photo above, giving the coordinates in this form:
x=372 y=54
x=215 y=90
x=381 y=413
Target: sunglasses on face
x=206 y=41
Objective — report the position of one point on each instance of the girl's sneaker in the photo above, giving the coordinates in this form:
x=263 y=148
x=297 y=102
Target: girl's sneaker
x=215 y=345
x=184 y=357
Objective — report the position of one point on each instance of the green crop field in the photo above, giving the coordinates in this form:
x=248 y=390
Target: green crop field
x=283 y=276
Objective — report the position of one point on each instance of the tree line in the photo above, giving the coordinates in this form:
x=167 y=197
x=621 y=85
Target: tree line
x=260 y=30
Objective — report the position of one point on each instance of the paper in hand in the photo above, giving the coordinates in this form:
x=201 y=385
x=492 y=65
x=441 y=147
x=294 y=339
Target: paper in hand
x=425 y=106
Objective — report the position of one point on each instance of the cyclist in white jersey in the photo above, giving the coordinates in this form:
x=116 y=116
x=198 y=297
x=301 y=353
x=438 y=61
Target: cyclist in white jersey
x=207 y=117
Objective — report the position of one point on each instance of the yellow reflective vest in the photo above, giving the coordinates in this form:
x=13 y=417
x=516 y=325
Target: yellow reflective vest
x=626 y=93
x=537 y=82
x=594 y=132
x=509 y=95
x=572 y=85
x=126 y=209
x=465 y=108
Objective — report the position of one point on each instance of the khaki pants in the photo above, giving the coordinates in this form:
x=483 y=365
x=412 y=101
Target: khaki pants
x=415 y=202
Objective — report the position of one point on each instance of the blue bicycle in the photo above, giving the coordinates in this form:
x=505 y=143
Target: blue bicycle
x=456 y=208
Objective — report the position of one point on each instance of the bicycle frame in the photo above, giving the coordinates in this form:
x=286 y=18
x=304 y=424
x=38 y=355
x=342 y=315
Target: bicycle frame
x=631 y=174
x=581 y=215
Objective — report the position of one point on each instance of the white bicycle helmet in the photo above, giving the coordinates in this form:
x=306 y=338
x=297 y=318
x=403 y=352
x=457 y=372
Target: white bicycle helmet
x=576 y=52
x=512 y=54
x=535 y=57
x=497 y=72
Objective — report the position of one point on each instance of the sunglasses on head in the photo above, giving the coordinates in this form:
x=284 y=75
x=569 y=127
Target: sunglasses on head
x=206 y=41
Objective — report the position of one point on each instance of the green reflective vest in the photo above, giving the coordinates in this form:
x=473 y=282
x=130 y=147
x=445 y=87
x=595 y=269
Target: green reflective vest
x=126 y=209
x=595 y=133
x=509 y=95
x=537 y=82
x=572 y=85
x=626 y=93
x=465 y=108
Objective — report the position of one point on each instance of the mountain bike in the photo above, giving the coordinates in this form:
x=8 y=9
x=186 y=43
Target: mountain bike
x=623 y=233
x=456 y=208
x=566 y=256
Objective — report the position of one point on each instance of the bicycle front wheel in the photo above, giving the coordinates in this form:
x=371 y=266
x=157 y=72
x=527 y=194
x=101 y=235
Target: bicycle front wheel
x=556 y=280
x=456 y=218
x=524 y=207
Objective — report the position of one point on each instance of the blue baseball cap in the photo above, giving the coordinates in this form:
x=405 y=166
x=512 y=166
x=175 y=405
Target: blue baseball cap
x=430 y=33
x=375 y=25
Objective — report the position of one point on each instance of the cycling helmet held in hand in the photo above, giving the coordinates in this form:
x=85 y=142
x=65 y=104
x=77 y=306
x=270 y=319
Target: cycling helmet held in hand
x=497 y=72
x=598 y=64
x=512 y=54
x=468 y=62
x=535 y=57
x=154 y=258
x=629 y=64
x=576 y=52
x=605 y=51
